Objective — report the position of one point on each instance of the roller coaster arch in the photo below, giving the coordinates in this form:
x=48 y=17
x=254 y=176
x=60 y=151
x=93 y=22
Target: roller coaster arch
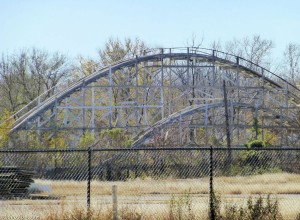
x=136 y=93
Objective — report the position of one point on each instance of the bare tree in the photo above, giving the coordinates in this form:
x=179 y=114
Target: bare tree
x=29 y=73
x=194 y=41
x=216 y=45
x=291 y=63
x=47 y=70
x=10 y=93
x=116 y=50
x=257 y=50
x=254 y=49
x=87 y=66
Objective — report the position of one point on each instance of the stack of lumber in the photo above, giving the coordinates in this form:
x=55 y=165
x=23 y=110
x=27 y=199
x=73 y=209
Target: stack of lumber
x=14 y=181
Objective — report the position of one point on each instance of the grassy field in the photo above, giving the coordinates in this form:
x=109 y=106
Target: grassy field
x=151 y=198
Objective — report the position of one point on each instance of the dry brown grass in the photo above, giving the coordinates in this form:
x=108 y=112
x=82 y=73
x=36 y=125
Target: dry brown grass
x=277 y=183
x=151 y=197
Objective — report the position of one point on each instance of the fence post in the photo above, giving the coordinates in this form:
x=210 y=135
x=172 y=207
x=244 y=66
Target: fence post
x=229 y=159
x=88 y=190
x=115 y=202
x=211 y=189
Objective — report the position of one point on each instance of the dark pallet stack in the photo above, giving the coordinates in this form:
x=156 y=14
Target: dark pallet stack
x=14 y=182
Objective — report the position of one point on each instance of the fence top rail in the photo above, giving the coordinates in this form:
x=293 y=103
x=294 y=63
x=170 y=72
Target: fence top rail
x=87 y=150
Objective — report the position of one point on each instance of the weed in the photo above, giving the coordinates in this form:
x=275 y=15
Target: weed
x=259 y=209
x=181 y=207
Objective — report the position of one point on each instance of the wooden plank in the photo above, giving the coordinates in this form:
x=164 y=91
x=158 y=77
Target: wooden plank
x=7 y=174
x=9 y=169
x=26 y=172
x=15 y=181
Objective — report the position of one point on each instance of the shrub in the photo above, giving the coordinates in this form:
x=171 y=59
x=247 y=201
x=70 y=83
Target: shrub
x=259 y=209
x=256 y=144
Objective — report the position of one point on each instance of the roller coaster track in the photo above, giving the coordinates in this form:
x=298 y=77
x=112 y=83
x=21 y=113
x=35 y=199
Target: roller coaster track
x=218 y=58
x=178 y=117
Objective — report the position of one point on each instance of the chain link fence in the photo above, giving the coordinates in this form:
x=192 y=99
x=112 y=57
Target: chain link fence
x=161 y=183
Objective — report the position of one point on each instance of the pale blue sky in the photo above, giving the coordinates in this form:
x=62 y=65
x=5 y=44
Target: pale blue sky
x=81 y=27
